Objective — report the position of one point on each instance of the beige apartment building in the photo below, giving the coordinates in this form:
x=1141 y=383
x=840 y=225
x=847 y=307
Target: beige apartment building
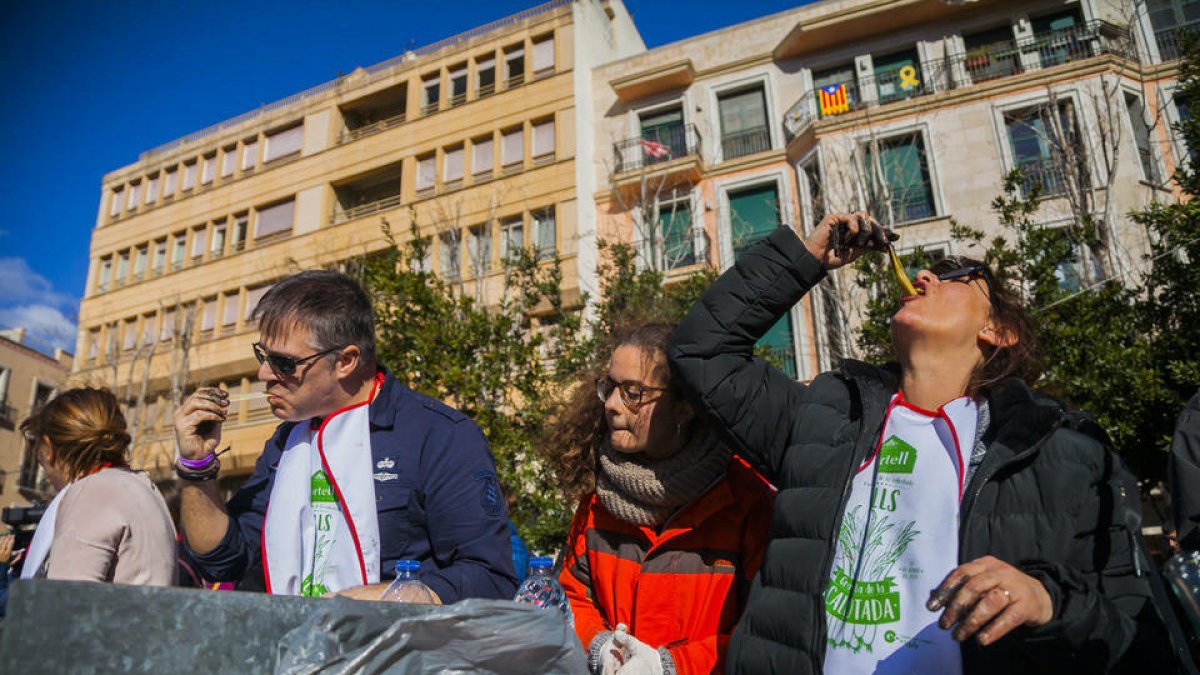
x=28 y=378
x=912 y=109
x=477 y=137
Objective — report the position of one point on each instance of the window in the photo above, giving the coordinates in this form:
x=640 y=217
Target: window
x=148 y=336
x=426 y=172
x=134 y=193
x=229 y=316
x=458 y=85
x=167 y=330
x=743 y=123
x=105 y=274
x=485 y=77
x=284 y=142
x=836 y=90
x=452 y=167
x=432 y=86
x=1141 y=138
x=514 y=66
x=512 y=148
x=114 y=203
x=675 y=230
x=218 y=240
x=753 y=214
x=1056 y=40
x=189 y=176
x=512 y=238
x=122 y=268
x=240 y=223
x=93 y=345
x=152 y=189
x=170 y=180
x=253 y=296
x=209 y=169
x=160 y=256
x=483 y=157
x=230 y=162
x=898 y=76
x=199 y=237
x=543 y=140
x=129 y=335
x=665 y=128
x=991 y=54
x=178 y=250
x=1170 y=18
x=815 y=206
x=1038 y=142
x=139 y=263
x=249 y=154
x=451 y=263
x=898 y=179
x=546 y=231
x=208 y=317
x=274 y=219
x=543 y=57
x=479 y=247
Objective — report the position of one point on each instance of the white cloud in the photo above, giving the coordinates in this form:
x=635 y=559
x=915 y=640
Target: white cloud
x=24 y=286
x=46 y=326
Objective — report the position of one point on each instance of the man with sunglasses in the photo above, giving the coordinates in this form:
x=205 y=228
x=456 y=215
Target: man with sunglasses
x=361 y=473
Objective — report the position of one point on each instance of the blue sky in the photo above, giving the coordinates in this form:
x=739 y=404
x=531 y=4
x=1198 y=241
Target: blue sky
x=92 y=84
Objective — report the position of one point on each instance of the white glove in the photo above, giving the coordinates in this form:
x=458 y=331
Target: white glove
x=611 y=655
x=640 y=659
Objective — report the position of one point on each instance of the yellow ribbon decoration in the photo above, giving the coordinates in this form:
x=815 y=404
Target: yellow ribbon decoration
x=908 y=78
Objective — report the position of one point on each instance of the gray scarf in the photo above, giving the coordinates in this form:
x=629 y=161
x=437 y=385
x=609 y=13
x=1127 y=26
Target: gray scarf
x=646 y=492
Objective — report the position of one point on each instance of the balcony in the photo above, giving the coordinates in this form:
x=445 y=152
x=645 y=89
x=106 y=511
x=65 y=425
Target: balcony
x=372 y=128
x=1170 y=40
x=367 y=194
x=747 y=142
x=996 y=60
x=666 y=145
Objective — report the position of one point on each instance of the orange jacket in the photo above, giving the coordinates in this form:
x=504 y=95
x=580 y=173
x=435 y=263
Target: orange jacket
x=682 y=588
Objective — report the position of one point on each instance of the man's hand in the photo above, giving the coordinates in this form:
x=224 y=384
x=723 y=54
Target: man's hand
x=6 y=547
x=988 y=598
x=198 y=422
x=840 y=238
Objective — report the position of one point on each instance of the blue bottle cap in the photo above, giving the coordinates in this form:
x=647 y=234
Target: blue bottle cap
x=541 y=563
x=408 y=565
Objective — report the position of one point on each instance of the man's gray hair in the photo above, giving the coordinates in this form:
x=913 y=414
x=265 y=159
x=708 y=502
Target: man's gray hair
x=331 y=305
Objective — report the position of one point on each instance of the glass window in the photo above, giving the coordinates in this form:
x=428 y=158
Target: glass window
x=754 y=213
x=208 y=316
x=134 y=193
x=512 y=147
x=122 y=267
x=483 y=156
x=199 y=237
x=1036 y=147
x=458 y=85
x=837 y=90
x=512 y=237
x=105 y=274
x=152 y=189
x=899 y=179
x=209 y=170
x=274 y=219
x=230 y=162
x=479 y=247
x=675 y=229
x=743 y=117
x=452 y=165
x=129 y=334
x=547 y=232
x=114 y=204
x=991 y=54
x=543 y=138
x=240 y=227
x=250 y=154
x=433 y=92
x=229 y=317
x=426 y=172
x=898 y=76
x=160 y=255
x=139 y=263
x=284 y=142
x=253 y=296
x=664 y=129
x=514 y=65
x=543 y=55
x=218 y=240
x=180 y=247
x=167 y=331
x=1141 y=138
x=169 y=181
x=485 y=76
x=451 y=262
x=189 y=175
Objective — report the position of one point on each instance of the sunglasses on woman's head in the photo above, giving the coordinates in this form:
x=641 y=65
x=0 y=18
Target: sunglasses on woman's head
x=282 y=365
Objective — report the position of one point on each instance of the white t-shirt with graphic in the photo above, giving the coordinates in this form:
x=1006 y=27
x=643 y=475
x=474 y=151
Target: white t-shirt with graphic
x=898 y=541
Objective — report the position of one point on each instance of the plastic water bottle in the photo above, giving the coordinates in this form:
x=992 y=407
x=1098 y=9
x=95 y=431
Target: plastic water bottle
x=542 y=590
x=407 y=587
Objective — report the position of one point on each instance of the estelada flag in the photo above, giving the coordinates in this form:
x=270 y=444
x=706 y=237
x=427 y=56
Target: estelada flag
x=833 y=100
x=654 y=149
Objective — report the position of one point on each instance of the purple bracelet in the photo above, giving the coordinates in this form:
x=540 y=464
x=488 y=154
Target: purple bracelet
x=198 y=464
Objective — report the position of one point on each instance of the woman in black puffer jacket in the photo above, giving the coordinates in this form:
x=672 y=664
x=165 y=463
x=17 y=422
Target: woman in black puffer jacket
x=934 y=516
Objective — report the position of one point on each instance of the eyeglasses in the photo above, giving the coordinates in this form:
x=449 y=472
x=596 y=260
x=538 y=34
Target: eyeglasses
x=965 y=273
x=285 y=366
x=633 y=394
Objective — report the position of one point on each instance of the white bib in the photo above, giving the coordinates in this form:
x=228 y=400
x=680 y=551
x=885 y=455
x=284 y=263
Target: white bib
x=321 y=530
x=39 y=546
x=899 y=539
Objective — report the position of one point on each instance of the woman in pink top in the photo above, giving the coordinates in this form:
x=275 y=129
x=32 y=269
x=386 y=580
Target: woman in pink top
x=107 y=522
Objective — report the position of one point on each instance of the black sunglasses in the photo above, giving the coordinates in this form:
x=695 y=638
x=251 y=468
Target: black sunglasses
x=633 y=394
x=285 y=366
x=964 y=273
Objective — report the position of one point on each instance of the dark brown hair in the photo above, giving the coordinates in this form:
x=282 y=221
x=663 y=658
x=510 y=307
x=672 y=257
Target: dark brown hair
x=1021 y=357
x=332 y=306
x=572 y=442
x=86 y=430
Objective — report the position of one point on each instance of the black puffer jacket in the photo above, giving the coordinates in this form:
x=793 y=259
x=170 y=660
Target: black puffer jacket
x=1049 y=497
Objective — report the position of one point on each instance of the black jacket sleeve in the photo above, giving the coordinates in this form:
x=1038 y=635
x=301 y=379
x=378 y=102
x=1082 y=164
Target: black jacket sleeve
x=713 y=350
x=1185 y=475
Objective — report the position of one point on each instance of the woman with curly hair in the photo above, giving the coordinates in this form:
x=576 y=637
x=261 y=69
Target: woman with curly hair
x=670 y=527
x=107 y=523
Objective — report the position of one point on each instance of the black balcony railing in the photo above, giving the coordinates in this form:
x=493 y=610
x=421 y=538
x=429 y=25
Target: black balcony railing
x=1170 y=40
x=999 y=59
x=1050 y=175
x=661 y=144
x=742 y=143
